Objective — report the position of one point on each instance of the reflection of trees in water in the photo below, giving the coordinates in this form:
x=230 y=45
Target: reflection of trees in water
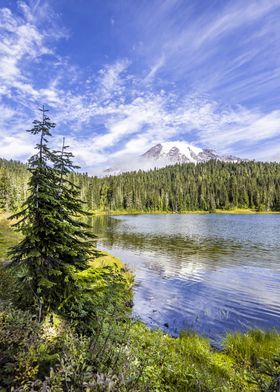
x=113 y=232
x=182 y=248
x=101 y=224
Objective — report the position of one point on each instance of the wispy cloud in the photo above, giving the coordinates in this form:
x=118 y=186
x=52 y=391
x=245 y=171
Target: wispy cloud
x=20 y=40
x=207 y=75
x=110 y=82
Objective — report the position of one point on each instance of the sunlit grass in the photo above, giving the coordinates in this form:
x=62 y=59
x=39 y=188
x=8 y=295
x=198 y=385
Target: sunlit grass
x=8 y=237
x=243 y=211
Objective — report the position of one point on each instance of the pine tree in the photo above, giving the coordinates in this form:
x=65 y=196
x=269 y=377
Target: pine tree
x=76 y=235
x=55 y=244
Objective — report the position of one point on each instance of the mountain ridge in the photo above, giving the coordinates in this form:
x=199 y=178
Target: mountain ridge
x=170 y=153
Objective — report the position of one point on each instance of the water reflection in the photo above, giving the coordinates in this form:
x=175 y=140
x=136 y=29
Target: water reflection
x=210 y=273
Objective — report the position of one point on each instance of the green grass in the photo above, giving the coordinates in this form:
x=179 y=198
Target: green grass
x=8 y=237
x=243 y=211
x=249 y=362
x=52 y=355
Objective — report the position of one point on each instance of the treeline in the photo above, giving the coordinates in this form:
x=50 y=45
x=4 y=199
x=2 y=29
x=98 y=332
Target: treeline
x=13 y=184
x=187 y=187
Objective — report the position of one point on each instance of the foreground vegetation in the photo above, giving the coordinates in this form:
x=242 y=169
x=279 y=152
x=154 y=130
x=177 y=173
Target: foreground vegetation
x=65 y=307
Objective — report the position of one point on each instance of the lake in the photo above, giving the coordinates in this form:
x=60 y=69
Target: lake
x=209 y=273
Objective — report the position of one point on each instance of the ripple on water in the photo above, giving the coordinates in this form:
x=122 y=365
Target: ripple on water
x=211 y=273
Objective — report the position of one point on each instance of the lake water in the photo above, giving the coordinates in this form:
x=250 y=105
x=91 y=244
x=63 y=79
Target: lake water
x=210 y=273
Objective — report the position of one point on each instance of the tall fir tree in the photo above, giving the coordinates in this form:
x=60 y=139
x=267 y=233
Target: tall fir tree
x=55 y=242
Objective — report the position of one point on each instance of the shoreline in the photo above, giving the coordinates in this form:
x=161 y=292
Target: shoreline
x=4 y=215
x=238 y=211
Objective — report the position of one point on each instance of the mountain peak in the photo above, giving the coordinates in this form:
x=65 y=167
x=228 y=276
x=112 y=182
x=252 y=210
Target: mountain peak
x=176 y=152
x=170 y=153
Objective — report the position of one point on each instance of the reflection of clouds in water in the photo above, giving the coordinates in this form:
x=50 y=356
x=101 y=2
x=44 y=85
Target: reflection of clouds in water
x=190 y=281
x=208 y=310
x=213 y=304
x=253 y=284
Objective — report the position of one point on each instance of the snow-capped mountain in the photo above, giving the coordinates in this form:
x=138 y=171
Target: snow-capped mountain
x=181 y=152
x=169 y=153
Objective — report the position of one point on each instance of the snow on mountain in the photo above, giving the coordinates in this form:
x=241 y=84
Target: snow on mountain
x=182 y=152
x=170 y=153
x=173 y=152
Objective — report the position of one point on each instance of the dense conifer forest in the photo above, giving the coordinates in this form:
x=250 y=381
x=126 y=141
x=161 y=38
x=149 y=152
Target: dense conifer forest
x=187 y=187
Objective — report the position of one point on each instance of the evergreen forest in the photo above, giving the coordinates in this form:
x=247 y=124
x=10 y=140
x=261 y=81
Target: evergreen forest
x=186 y=187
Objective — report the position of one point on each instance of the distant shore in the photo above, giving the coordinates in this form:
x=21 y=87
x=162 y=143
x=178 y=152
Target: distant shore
x=238 y=211
x=241 y=211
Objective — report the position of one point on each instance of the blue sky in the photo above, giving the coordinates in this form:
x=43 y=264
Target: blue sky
x=120 y=76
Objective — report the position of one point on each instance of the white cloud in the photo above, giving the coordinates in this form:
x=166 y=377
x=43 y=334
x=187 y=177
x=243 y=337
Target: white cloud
x=116 y=112
x=19 y=39
x=155 y=68
x=15 y=147
x=110 y=78
x=238 y=14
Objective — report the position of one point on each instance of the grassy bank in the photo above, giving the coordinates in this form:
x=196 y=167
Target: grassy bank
x=51 y=356
x=7 y=236
x=242 y=211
